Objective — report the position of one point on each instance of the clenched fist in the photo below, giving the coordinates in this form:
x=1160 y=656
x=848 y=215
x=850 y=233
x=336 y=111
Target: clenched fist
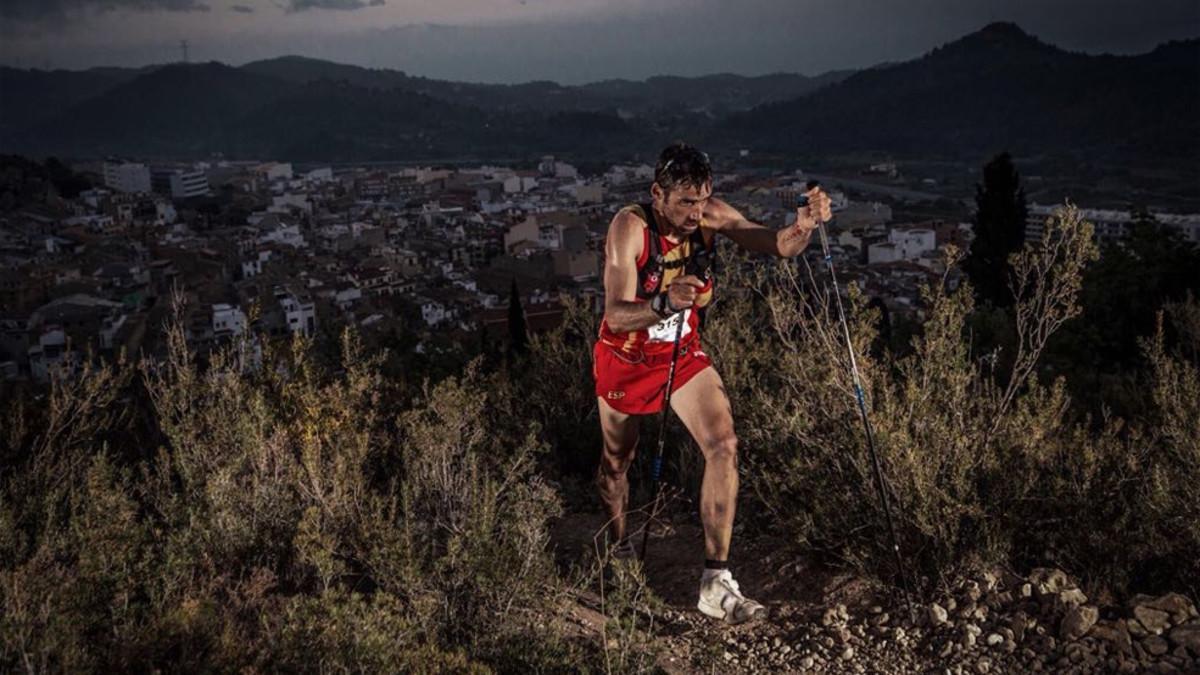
x=682 y=292
x=817 y=209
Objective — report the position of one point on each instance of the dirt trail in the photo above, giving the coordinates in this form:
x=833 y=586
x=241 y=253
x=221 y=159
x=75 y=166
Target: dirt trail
x=994 y=621
x=795 y=592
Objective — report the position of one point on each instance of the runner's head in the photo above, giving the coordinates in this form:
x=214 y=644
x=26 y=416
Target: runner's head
x=682 y=186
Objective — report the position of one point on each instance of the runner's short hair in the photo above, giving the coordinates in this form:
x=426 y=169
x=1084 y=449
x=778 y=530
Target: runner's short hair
x=681 y=165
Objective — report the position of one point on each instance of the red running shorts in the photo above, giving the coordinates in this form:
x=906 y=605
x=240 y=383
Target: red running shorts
x=634 y=385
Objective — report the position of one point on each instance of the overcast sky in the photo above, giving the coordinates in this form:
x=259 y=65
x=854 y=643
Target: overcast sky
x=569 y=41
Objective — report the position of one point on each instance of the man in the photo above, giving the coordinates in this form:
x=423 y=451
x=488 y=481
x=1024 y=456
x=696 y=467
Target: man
x=656 y=273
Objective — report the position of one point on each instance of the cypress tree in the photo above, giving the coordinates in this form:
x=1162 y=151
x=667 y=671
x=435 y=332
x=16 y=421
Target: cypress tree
x=518 y=338
x=999 y=230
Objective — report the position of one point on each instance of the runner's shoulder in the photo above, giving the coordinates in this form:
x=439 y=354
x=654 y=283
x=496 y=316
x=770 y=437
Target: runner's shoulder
x=628 y=221
x=632 y=214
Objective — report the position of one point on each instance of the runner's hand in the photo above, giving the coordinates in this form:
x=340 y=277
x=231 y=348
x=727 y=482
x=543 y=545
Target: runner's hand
x=818 y=208
x=682 y=291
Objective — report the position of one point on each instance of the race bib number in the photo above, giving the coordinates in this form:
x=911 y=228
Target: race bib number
x=664 y=331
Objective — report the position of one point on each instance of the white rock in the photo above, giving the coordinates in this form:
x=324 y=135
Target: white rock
x=1073 y=597
x=937 y=614
x=1078 y=621
x=1153 y=620
x=1178 y=606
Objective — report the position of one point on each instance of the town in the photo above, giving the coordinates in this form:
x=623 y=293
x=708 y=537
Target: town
x=437 y=253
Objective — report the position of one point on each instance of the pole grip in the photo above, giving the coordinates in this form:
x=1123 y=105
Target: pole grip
x=656 y=470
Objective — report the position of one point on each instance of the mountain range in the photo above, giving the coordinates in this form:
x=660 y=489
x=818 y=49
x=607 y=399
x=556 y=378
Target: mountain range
x=999 y=85
x=996 y=89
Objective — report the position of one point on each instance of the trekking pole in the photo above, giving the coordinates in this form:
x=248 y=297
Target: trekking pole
x=656 y=470
x=862 y=404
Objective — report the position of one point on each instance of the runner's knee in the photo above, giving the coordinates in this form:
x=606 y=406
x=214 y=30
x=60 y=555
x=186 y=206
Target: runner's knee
x=614 y=464
x=722 y=448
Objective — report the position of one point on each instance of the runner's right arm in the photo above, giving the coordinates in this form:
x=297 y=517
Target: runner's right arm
x=622 y=249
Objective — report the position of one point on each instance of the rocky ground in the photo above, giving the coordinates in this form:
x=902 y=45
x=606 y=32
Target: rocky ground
x=824 y=622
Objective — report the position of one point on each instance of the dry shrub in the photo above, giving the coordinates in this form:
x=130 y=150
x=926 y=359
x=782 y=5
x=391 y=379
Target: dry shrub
x=981 y=466
x=630 y=607
x=471 y=544
x=295 y=517
x=552 y=387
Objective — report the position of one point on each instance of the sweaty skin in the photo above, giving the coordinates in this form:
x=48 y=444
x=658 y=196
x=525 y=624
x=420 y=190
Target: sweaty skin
x=701 y=404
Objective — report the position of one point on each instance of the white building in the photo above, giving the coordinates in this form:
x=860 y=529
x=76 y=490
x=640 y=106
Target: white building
x=550 y=236
x=254 y=267
x=164 y=213
x=284 y=203
x=128 y=177
x=516 y=184
x=299 y=312
x=186 y=184
x=50 y=354
x=228 y=320
x=181 y=183
x=94 y=196
x=433 y=312
x=903 y=245
x=913 y=243
x=284 y=234
x=1110 y=224
x=272 y=171
x=99 y=223
x=322 y=175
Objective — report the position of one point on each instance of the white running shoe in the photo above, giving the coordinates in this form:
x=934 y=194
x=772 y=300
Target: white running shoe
x=721 y=599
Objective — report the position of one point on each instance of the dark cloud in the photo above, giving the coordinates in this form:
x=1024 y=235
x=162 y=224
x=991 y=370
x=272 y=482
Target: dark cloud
x=648 y=37
x=36 y=11
x=302 y=5
x=757 y=37
x=243 y=9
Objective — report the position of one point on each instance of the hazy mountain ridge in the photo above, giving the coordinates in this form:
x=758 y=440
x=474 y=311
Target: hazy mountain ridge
x=727 y=91
x=27 y=95
x=176 y=109
x=997 y=88
x=327 y=120
x=996 y=85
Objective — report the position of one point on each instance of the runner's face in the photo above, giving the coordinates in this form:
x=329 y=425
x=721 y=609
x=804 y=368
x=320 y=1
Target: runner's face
x=684 y=206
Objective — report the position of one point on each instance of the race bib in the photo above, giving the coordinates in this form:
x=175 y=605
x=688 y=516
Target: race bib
x=664 y=331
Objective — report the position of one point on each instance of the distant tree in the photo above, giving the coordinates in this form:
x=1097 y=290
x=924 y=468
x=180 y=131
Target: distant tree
x=999 y=230
x=1135 y=277
x=68 y=183
x=1132 y=281
x=518 y=337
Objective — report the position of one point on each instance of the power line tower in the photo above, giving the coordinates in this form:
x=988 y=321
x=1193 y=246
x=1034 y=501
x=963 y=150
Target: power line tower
x=183 y=47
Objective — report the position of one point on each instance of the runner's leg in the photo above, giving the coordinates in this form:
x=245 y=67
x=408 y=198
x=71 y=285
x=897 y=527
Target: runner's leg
x=620 y=433
x=703 y=408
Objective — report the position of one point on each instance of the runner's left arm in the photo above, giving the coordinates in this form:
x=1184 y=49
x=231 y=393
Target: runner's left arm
x=786 y=242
